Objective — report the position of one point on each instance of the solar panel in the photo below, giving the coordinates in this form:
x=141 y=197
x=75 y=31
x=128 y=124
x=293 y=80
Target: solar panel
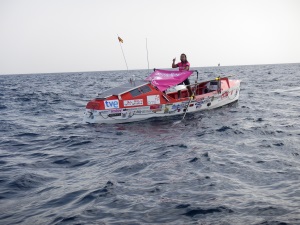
x=122 y=89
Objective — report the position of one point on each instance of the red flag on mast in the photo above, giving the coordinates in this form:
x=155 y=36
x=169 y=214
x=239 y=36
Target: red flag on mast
x=120 y=39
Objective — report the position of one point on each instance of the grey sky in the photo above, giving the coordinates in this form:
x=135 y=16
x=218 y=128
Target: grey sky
x=44 y=36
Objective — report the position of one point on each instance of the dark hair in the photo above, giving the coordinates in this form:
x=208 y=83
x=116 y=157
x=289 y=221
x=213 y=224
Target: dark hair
x=185 y=57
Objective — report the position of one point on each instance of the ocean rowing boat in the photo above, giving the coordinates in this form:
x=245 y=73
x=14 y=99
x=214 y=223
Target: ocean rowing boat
x=155 y=97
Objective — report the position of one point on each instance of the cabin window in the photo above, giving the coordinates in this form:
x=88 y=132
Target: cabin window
x=145 y=89
x=140 y=90
x=135 y=92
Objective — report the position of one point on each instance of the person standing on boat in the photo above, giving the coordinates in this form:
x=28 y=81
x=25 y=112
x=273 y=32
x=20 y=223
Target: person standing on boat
x=184 y=65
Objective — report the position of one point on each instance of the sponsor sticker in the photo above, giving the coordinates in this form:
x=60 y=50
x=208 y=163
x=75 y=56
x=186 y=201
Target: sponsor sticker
x=115 y=110
x=153 y=99
x=198 y=104
x=225 y=95
x=137 y=108
x=133 y=102
x=104 y=112
x=155 y=108
x=114 y=114
x=111 y=104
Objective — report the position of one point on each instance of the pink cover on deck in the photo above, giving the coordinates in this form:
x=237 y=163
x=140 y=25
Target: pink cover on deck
x=164 y=79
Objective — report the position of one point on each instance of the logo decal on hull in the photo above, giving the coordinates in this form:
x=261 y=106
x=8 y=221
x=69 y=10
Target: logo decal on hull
x=153 y=99
x=133 y=102
x=111 y=104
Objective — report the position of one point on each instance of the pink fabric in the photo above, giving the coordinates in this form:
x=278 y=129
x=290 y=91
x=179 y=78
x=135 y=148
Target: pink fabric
x=182 y=65
x=164 y=79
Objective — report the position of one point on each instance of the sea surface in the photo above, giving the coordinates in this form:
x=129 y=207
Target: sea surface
x=238 y=164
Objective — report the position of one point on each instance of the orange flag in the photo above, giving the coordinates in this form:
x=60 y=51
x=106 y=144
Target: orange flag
x=120 y=39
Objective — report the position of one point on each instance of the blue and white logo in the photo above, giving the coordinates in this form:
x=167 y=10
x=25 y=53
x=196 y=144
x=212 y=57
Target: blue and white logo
x=111 y=104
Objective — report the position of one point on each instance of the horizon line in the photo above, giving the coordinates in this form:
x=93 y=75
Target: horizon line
x=125 y=70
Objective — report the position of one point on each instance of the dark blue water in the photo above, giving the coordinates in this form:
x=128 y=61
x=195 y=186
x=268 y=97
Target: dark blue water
x=238 y=164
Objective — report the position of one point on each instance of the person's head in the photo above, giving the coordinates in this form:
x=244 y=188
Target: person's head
x=183 y=58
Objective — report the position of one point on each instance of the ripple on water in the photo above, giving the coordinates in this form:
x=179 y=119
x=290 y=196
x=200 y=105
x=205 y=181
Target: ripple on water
x=200 y=211
x=64 y=200
x=28 y=181
x=93 y=195
x=70 y=162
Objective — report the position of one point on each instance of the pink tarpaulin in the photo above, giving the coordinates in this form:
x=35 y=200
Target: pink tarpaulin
x=164 y=79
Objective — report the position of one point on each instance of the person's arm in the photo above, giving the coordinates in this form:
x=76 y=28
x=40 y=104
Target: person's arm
x=187 y=68
x=173 y=64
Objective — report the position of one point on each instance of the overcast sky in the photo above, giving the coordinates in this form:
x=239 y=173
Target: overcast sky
x=45 y=36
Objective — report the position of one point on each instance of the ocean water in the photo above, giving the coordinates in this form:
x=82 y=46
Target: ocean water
x=238 y=164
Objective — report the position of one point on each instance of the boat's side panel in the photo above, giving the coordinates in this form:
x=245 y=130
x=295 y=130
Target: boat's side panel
x=138 y=97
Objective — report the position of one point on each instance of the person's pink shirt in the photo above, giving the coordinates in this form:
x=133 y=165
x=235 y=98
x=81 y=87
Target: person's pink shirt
x=182 y=66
